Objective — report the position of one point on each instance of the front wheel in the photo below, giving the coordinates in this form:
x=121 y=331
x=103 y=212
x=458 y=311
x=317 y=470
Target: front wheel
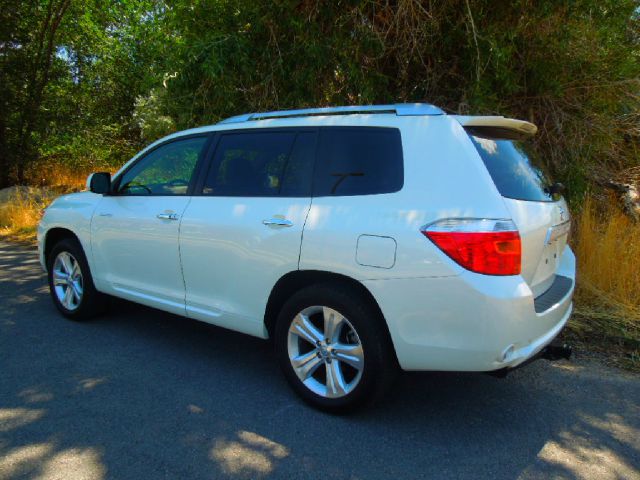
x=333 y=348
x=70 y=282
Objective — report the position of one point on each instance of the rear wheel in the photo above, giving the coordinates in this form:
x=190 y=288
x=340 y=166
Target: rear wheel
x=333 y=348
x=70 y=282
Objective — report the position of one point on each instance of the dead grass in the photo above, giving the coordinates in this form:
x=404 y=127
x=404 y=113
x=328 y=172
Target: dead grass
x=21 y=210
x=21 y=207
x=51 y=175
x=607 y=246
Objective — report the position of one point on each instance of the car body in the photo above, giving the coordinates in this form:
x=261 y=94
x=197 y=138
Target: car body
x=210 y=245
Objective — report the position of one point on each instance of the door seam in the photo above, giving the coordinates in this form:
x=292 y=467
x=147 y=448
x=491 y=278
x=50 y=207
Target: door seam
x=184 y=282
x=304 y=225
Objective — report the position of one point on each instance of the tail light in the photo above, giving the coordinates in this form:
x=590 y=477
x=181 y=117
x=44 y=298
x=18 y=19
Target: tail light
x=487 y=246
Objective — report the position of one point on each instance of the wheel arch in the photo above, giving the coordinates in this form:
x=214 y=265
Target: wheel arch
x=296 y=280
x=53 y=236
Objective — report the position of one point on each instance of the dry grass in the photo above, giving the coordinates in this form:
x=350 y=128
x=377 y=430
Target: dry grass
x=21 y=210
x=52 y=175
x=21 y=207
x=607 y=246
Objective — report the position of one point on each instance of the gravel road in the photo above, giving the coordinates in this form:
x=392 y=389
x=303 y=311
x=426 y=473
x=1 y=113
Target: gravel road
x=140 y=394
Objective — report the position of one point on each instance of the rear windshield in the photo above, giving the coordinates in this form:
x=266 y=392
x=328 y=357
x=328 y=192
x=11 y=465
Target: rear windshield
x=512 y=171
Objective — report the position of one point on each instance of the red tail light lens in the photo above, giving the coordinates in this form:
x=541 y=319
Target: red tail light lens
x=491 y=247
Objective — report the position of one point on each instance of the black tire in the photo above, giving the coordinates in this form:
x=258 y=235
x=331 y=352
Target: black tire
x=380 y=364
x=92 y=302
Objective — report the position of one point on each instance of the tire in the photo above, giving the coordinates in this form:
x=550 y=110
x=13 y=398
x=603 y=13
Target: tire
x=83 y=300
x=355 y=367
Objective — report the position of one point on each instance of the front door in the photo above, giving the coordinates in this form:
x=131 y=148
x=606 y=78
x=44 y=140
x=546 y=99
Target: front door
x=134 y=231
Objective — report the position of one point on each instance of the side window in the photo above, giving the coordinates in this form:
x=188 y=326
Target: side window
x=359 y=161
x=167 y=170
x=298 y=173
x=262 y=164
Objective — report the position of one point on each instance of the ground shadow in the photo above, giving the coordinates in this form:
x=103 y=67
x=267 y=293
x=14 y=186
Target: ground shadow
x=139 y=393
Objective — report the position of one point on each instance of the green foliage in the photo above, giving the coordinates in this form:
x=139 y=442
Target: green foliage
x=148 y=116
x=70 y=72
x=124 y=73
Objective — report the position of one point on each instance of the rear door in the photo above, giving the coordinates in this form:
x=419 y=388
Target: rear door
x=243 y=229
x=542 y=220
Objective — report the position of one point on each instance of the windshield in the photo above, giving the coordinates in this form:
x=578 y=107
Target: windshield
x=512 y=171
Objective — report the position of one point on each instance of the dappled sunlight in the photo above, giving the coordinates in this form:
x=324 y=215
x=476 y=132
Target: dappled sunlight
x=579 y=457
x=250 y=455
x=195 y=409
x=26 y=298
x=23 y=460
x=142 y=394
x=603 y=447
x=12 y=418
x=34 y=395
x=615 y=425
x=568 y=366
x=90 y=383
x=80 y=463
x=18 y=270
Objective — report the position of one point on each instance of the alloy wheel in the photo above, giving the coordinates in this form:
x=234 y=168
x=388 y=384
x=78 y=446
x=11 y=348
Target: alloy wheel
x=67 y=281
x=325 y=351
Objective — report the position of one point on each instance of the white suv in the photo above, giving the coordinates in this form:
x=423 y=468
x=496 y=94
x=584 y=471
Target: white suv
x=359 y=239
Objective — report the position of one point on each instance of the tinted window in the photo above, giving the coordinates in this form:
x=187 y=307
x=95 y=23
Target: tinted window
x=262 y=164
x=359 y=161
x=298 y=173
x=512 y=172
x=167 y=170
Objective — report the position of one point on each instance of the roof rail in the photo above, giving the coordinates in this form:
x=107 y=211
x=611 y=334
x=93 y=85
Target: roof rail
x=400 y=109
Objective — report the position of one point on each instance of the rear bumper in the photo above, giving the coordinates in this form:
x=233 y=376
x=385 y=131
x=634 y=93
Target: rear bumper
x=513 y=358
x=470 y=322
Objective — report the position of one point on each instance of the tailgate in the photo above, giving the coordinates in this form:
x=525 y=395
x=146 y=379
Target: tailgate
x=544 y=229
x=543 y=221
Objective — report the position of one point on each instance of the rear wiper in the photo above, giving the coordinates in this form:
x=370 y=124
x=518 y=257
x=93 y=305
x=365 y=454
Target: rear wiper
x=342 y=177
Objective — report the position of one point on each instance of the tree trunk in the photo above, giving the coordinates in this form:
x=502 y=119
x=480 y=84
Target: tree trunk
x=4 y=155
x=36 y=83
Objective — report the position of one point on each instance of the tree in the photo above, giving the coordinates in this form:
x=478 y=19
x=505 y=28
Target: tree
x=84 y=82
x=34 y=48
x=70 y=74
x=571 y=67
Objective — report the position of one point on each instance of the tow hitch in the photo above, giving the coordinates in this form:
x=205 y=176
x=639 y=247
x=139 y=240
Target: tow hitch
x=550 y=352
x=556 y=352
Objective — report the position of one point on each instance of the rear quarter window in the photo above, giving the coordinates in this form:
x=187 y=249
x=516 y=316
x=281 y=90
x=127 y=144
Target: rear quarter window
x=359 y=161
x=512 y=171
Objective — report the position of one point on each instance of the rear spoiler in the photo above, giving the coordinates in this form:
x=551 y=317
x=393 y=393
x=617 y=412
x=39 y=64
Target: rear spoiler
x=497 y=127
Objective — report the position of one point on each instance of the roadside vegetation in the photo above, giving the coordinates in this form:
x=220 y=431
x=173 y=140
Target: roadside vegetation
x=85 y=84
x=607 y=315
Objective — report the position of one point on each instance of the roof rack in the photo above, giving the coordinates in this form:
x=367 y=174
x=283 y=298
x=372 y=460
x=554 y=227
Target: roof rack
x=400 y=109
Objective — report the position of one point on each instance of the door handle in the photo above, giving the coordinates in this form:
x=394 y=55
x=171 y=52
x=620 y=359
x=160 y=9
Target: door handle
x=167 y=216
x=280 y=222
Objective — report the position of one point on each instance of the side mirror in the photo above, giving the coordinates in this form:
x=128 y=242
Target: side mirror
x=99 y=182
